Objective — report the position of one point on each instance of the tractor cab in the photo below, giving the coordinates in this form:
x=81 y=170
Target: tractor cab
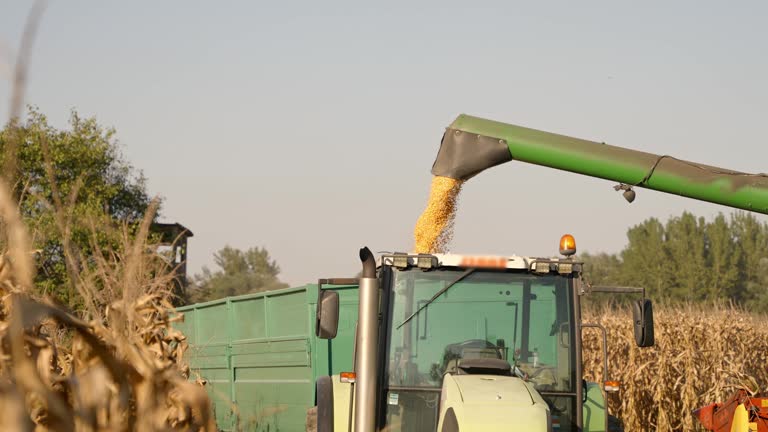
x=477 y=322
x=456 y=342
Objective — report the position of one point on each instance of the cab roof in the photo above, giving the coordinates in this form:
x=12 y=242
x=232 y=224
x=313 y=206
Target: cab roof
x=513 y=262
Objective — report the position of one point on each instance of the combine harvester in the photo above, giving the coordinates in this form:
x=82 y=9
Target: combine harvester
x=444 y=343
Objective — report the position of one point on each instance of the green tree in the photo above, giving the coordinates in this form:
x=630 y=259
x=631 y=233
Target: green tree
x=752 y=237
x=80 y=171
x=645 y=260
x=240 y=272
x=686 y=247
x=691 y=259
x=601 y=268
x=724 y=255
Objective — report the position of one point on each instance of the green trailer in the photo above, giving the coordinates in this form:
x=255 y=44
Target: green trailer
x=259 y=355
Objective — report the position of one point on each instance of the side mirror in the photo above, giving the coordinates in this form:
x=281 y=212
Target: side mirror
x=642 y=316
x=327 y=323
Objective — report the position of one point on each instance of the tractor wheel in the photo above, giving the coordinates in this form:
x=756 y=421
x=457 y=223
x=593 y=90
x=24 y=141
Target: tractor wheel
x=614 y=424
x=324 y=396
x=450 y=424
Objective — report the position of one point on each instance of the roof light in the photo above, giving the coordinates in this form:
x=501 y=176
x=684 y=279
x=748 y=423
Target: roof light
x=400 y=261
x=541 y=267
x=567 y=245
x=426 y=262
x=347 y=377
x=612 y=386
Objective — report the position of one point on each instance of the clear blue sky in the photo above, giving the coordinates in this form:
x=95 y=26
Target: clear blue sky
x=310 y=127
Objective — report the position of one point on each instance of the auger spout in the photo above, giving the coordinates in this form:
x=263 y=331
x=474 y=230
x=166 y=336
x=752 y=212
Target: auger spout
x=471 y=145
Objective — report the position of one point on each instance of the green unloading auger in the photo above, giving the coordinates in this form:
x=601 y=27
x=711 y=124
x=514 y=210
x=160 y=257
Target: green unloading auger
x=471 y=145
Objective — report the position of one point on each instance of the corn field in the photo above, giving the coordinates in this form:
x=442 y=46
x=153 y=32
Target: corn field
x=702 y=355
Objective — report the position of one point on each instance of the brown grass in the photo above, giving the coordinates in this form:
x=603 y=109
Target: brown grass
x=702 y=355
x=434 y=228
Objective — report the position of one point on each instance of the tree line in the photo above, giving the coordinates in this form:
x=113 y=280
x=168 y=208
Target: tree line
x=685 y=259
x=691 y=259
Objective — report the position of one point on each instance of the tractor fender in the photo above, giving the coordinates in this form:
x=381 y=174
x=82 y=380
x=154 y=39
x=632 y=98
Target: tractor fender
x=333 y=406
x=342 y=395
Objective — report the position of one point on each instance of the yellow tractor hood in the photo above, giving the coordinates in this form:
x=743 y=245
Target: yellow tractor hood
x=490 y=403
x=493 y=389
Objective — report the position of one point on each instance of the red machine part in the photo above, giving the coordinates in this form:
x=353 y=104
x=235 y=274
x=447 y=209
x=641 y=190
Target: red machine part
x=718 y=417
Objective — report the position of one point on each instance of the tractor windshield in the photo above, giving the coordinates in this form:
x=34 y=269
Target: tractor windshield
x=521 y=318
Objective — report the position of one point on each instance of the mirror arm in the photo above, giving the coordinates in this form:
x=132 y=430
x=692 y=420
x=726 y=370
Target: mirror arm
x=616 y=289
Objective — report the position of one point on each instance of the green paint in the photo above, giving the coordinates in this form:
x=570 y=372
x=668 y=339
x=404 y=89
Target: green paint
x=259 y=352
x=594 y=409
x=692 y=180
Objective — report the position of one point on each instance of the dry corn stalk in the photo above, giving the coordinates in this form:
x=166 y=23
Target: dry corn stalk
x=123 y=370
x=702 y=355
x=107 y=378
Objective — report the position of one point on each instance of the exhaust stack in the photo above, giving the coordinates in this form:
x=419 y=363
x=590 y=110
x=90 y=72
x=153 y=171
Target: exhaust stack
x=367 y=345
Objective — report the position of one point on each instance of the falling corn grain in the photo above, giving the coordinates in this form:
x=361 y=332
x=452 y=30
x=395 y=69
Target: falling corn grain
x=434 y=227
